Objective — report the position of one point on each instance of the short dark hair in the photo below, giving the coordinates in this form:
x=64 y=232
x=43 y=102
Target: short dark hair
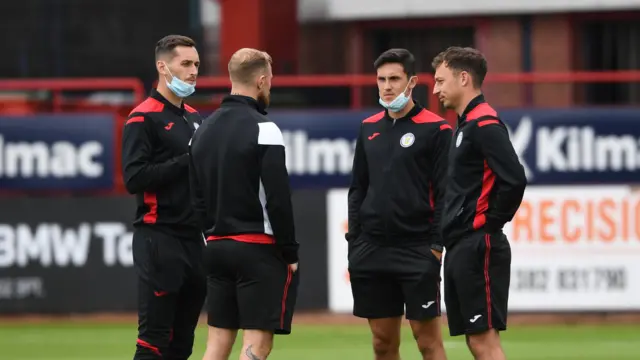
x=397 y=56
x=463 y=59
x=167 y=44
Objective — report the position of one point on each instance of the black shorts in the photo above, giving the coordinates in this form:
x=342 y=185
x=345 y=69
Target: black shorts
x=386 y=279
x=249 y=286
x=477 y=272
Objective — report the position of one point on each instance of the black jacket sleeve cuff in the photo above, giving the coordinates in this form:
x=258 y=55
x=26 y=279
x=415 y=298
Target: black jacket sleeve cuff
x=289 y=253
x=350 y=236
x=290 y=256
x=492 y=224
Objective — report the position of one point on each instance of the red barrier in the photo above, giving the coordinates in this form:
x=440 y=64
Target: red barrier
x=56 y=86
x=353 y=81
x=357 y=81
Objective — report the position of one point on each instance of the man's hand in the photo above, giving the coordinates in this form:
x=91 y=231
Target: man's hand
x=437 y=254
x=293 y=267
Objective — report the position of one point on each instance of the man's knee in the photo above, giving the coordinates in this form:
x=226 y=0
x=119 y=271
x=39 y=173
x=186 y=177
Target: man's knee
x=428 y=336
x=386 y=336
x=483 y=343
x=257 y=344
x=219 y=343
x=428 y=345
x=385 y=345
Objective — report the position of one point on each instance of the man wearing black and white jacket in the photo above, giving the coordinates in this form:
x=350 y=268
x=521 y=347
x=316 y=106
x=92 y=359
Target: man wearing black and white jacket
x=240 y=191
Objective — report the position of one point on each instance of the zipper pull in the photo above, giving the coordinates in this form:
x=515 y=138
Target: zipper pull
x=191 y=127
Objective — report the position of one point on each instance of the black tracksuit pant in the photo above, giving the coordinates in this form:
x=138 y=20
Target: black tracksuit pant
x=171 y=293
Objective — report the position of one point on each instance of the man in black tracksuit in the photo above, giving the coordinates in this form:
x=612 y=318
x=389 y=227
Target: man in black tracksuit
x=167 y=242
x=395 y=205
x=486 y=183
x=240 y=189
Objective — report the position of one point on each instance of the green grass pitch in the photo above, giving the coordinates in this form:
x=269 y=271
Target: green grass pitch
x=75 y=341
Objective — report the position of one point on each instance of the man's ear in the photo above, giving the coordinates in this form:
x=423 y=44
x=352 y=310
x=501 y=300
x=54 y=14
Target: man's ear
x=414 y=81
x=465 y=78
x=161 y=67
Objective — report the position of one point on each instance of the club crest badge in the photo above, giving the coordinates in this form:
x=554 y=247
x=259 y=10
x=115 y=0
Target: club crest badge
x=407 y=140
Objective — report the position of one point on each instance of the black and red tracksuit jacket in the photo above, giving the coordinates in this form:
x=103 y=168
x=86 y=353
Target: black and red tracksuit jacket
x=239 y=179
x=485 y=181
x=155 y=165
x=399 y=173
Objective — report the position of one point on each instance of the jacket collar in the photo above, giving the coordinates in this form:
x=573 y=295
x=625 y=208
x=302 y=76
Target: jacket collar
x=413 y=112
x=243 y=100
x=472 y=105
x=168 y=105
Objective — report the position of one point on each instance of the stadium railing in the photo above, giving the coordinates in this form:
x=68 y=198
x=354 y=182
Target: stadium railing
x=46 y=95
x=356 y=82
x=52 y=95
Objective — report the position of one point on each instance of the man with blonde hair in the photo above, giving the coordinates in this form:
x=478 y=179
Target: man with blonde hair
x=240 y=191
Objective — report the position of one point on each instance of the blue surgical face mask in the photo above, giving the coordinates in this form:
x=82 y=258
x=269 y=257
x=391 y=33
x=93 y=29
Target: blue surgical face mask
x=398 y=103
x=179 y=87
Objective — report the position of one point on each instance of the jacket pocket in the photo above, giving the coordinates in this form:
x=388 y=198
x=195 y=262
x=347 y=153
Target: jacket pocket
x=370 y=214
x=455 y=213
x=154 y=253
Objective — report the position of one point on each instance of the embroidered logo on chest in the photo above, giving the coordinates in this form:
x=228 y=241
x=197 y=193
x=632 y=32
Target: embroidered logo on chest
x=407 y=140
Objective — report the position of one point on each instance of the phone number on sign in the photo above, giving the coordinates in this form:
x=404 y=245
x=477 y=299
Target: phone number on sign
x=570 y=280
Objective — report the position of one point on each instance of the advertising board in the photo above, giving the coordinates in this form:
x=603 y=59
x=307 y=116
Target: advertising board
x=54 y=152
x=66 y=255
x=574 y=248
x=560 y=146
x=319 y=145
x=74 y=255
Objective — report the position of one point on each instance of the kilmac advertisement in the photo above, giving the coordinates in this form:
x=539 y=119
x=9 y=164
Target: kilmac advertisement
x=556 y=146
x=57 y=152
x=572 y=146
x=573 y=249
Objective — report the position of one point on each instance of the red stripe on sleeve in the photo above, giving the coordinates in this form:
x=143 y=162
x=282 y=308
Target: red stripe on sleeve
x=135 y=119
x=488 y=179
x=151 y=200
x=487 y=122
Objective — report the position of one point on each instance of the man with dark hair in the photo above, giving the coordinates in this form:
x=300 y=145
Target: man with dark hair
x=167 y=242
x=485 y=186
x=240 y=189
x=395 y=203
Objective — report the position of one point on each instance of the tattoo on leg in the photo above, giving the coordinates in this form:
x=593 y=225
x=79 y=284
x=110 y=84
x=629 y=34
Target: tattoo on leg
x=250 y=354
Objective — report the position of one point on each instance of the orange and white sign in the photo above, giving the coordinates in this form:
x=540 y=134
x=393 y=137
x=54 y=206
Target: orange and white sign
x=576 y=248
x=340 y=297
x=573 y=248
